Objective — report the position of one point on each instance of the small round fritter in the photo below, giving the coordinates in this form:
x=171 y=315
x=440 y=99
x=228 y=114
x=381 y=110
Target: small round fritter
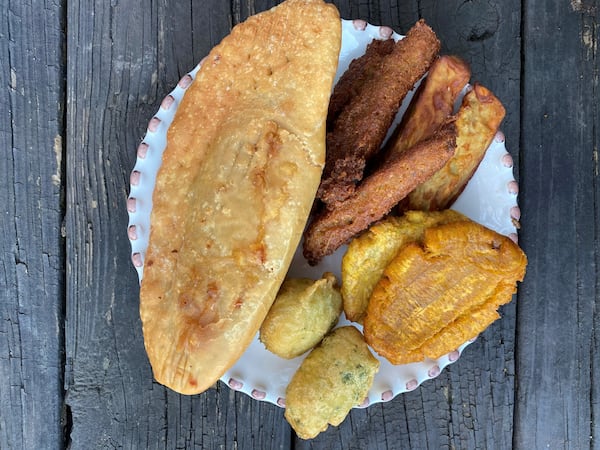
x=334 y=377
x=303 y=312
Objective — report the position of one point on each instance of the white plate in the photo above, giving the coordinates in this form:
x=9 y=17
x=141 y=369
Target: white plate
x=490 y=198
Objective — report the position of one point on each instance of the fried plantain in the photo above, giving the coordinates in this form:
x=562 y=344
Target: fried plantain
x=432 y=104
x=369 y=254
x=438 y=294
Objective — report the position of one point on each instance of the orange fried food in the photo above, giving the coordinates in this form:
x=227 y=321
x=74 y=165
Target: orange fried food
x=369 y=254
x=477 y=121
x=432 y=105
x=362 y=126
x=435 y=296
x=355 y=81
x=377 y=195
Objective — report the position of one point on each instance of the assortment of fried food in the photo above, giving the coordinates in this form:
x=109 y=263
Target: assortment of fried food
x=429 y=279
x=424 y=166
x=251 y=133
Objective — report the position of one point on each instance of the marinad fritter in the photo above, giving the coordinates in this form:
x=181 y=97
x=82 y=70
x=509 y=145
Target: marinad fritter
x=335 y=377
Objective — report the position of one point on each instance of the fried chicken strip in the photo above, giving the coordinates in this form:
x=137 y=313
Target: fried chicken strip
x=378 y=194
x=362 y=126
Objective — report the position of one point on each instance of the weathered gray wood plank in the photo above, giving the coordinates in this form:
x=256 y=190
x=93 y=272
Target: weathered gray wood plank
x=31 y=266
x=123 y=57
x=557 y=401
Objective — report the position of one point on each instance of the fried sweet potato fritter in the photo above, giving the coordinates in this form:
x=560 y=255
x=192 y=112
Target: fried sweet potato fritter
x=432 y=104
x=477 y=121
x=436 y=295
x=378 y=194
x=362 y=126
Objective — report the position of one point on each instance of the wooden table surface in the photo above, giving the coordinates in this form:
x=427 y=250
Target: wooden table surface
x=79 y=82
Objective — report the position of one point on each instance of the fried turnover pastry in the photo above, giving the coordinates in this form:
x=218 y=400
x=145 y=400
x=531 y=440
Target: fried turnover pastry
x=435 y=295
x=369 y=254
x=243 y=162
x=304 y=311
x=477 y=122
x=377 y=194
x=332 y=379
x=432 y=104
x=362 y=126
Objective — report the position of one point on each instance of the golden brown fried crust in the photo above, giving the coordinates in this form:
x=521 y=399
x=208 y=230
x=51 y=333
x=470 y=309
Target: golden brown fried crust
x=378 y=194
x=356 y=79
x=436 y=295
x=304 y=312
x=332 y=379
x=238 y=177
x=370 y=253
x=362 y=126
x=477 y=122
x=432 y=104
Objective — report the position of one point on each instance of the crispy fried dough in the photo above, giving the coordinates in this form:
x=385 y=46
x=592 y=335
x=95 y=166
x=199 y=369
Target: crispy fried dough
x=378 y=194
x=243 y=162
x=355 y=81
x=362 y=126
x=334 y=377
x=434 y=296
x=432 y=104
x=369 y=254
x=477 y=121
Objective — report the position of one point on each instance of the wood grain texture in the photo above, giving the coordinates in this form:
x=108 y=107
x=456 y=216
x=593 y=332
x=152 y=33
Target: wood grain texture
x=557 y=401
x=122 y=59
x=31 y=265
x=527 y=382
